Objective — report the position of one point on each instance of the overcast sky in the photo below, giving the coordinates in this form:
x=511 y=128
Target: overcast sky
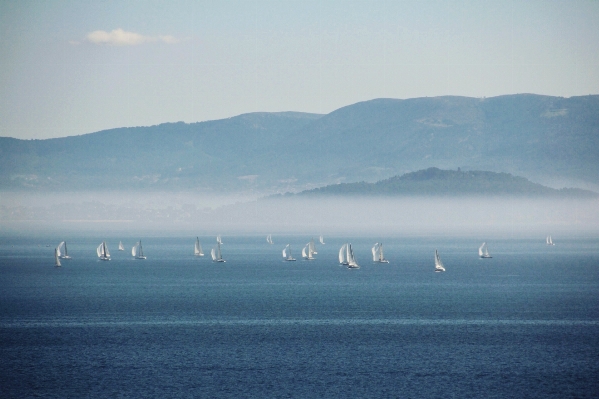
x=74 y=67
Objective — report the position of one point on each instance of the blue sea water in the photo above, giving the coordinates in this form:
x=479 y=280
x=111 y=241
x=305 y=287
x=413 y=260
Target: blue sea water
x=523 y=324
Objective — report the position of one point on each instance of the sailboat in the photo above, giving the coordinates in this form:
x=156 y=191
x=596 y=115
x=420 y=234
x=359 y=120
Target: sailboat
x=321 y=239
x=121 y=247
x=197 y=250
x=287 y=253
x=308 y=251
x=438 y=264
x=62 y=254
x=347 y=257
x=483 y=252
x=269 y=239
x=342 y=257
x=377 y=253
x=102 y=251
x=549 y=241
x=219 y=240
x=217 y=256
x=138 y=251
x=56 y=258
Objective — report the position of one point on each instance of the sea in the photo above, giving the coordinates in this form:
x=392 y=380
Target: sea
x=524 y=324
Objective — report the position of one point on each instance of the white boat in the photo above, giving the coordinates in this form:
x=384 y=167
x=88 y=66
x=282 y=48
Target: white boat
x=102 y=251
x=269 y=239
x=438 y=264
x=321 y=239
x=56 y=258
x=121 y=247
x=62 y=250
x=377 y=253
x=217 y=256
x=347 y=257
x=197 y=250
x=549 y=241
x=137 y=251
x=287 y=253
x=483 y=252
x=308 y=251
x=219 y=240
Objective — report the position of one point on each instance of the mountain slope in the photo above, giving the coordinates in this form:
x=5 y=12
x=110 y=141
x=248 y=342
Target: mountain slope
x=547 y=139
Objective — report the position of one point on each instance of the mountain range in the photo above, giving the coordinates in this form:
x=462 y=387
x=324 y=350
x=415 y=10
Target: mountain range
x=550 y=140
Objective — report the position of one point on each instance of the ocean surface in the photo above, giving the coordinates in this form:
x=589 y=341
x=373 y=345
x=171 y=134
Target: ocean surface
x=523 y=324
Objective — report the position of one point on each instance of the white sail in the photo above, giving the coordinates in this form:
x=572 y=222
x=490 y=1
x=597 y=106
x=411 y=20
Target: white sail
x=374 y=252
x=304 y=254
x=269 y=239
x=483 y=252
x=134 y=249
x=56 y=258
x=219 y=240
x=138 y=251
x=549 y=241
x=217 y=256
x=352 y=263
x=121 y=247
x=197 y=249
x=312 y=248
x=342 y=254
x=321 y=239
x=287 y=253
x=102 y=251
x=59 y=248
x=438 y=264
x=379 y=256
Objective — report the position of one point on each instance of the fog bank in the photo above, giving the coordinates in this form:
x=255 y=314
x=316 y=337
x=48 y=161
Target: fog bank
x=166 y=213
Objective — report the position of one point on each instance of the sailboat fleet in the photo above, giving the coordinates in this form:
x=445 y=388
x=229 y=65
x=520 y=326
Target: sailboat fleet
x=346 y=252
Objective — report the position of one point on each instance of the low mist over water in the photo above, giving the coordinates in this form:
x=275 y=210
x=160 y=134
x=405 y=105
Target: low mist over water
x=201 y=213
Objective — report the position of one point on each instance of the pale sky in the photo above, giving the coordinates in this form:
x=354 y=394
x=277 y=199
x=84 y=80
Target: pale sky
x=75 y=67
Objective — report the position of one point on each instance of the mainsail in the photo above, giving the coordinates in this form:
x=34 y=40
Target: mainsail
x=62 y=250
x=438 y=264
x=321 y=239
x=121 y=247
x=216 y=254
x=483 y=252
x=287 y=253
x=197 y=250
x=138 y=251
x=269 y=239
x=377 y=253
x=102 y=251
x=56 y=258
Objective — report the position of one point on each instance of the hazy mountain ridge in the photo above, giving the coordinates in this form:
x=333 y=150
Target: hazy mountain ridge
x=547 y=139
x=437 y=182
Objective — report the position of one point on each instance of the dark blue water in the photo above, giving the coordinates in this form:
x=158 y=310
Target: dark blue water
x=523 y=324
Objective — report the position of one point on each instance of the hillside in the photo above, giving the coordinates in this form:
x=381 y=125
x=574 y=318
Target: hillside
x=437 y=182
x=552 y=140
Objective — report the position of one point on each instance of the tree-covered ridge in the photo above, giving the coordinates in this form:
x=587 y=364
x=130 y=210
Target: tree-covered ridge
x=434 y=181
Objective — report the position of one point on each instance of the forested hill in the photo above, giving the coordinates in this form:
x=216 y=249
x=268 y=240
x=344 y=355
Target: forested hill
x=551 y=140
x=437 y=182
